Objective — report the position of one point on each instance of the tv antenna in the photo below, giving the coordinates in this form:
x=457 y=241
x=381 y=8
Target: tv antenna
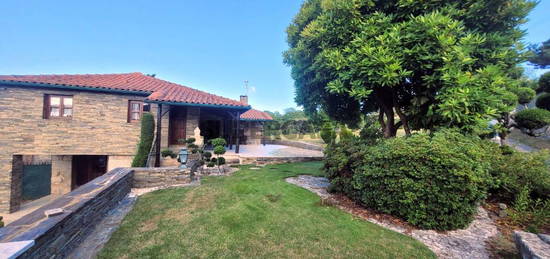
x=248 y=88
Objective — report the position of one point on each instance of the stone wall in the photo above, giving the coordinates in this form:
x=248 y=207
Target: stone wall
x=155 y=177
x=253 y=132
x=297 y=144
x=98 y=127
x=56 y=236
x=276 y=160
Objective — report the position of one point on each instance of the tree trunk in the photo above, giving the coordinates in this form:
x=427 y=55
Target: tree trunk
x=386 y=104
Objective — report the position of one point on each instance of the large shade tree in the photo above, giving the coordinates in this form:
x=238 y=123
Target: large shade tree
x=430 y=64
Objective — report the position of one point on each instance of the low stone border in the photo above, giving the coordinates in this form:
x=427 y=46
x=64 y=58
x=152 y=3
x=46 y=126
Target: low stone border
x=532 y=245
x=463 y=243
x=277 y=160
x=298 y=144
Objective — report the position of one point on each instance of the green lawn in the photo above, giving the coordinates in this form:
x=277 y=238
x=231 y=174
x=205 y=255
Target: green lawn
x=253 y=213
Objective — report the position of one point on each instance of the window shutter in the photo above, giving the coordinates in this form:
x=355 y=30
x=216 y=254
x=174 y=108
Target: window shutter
x=46 y=107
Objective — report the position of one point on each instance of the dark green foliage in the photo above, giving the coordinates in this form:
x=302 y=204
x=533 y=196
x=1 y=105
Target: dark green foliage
x=218 y=142
x=515 y=171
x=345 y=134
x=542 y=55
x=433 y=64
x=145 y=140
x=532 y=118
x=327 y=133
x=544 y=82
x=168 y=153
x=371 y=131
x=524 y=94
x=219 y=150
x=543 y=101
x=434 y=182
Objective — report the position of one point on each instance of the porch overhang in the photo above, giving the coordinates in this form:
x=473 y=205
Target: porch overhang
x=233 y=108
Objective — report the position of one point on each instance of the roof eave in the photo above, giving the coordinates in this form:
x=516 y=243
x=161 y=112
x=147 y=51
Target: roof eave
x=255 y=120
x=243 y=108
x=72 y=87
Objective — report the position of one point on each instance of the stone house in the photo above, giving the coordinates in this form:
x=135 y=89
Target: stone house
x=86 y=125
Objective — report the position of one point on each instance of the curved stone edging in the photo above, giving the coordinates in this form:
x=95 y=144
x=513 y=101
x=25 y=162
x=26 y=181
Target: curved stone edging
x=462 y=243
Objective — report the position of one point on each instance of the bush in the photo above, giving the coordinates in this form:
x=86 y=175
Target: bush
x=543 y=101
x=516 y=171
x=524 y=94
x=345 y=134
x=145 y=140
x=168 y=153
x=544 y=82
x=327 y=133
x=434 y=182
x=532 y=118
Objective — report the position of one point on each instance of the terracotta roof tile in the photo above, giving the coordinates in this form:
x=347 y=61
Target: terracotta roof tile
x=255 y=115
x=158 y=90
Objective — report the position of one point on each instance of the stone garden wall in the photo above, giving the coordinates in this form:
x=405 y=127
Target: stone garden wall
x=80 y=210
x=276 y=160
x=155 y=177
x=297 y=144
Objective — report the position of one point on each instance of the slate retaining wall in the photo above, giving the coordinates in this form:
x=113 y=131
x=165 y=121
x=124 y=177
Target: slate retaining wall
x=83 y=208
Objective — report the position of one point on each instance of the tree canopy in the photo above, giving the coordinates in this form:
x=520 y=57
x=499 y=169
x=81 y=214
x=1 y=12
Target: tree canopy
x=541 y=58
x=430 y=63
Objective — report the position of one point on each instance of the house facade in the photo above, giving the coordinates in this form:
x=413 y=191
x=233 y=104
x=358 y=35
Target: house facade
x=86 y=125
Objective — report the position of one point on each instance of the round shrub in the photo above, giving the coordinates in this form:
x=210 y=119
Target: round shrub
x=524 y=94
x=532 y=118
x=544 y=82
x=434 y=182
x=543 y=101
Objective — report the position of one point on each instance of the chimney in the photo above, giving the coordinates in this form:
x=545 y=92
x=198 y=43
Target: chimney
x=244 y=99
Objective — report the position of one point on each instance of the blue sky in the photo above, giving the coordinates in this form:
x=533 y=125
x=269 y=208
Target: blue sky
x=209 y=45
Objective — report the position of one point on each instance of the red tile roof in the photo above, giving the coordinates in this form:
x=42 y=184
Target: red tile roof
x=255 y=115
x=158 y=90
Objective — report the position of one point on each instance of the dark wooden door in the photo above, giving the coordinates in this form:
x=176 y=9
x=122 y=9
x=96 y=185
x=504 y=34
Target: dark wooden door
x=87 y=168
x=176 y=129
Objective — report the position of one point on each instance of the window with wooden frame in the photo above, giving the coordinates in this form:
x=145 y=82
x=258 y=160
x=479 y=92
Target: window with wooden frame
x=58 y=106
x=135 y=110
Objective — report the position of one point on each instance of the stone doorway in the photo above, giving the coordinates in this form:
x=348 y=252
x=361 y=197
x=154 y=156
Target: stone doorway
x=86 y=168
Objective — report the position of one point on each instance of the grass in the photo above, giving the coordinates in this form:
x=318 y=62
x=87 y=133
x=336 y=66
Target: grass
x=253 y=213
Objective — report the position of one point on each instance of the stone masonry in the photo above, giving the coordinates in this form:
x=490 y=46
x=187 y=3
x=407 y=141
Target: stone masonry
x=99 y=126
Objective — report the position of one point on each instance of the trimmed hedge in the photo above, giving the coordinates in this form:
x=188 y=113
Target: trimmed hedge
x=434 y=182
x=145 y=140
x=532 y=118
x=543 y=101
